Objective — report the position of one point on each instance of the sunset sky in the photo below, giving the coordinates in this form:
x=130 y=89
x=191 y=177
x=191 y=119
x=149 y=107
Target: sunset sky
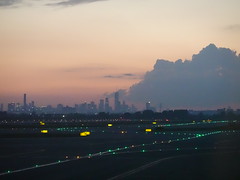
x=70 y=51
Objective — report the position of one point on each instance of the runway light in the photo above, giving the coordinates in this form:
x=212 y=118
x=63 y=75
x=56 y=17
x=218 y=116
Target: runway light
x=154 y=122
x=44 y=131
x=41 y=123
x=85 y=133
x=78 y=157
x=110 y=125
x=148 y=130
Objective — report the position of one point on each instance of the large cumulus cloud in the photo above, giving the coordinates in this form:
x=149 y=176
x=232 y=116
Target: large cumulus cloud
x=4 y=3
x=210 y=79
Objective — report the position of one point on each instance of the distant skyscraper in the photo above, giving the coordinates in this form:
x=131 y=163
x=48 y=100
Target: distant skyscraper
x=1 y=107
x=117 y=103
x=11 y=107
x=148 y=106
x=107 y=107
x=25 y=100
x=101 y=106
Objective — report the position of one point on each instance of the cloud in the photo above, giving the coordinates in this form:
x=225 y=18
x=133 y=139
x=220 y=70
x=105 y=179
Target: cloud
x=9 y=3
x=4 y=3
x=111 y=76
x=128 y=74
x=72 y=2
x=233 y=27
x=210 y=79
x=123 y=76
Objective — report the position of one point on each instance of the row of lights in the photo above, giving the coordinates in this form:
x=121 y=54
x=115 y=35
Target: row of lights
x=119 y=149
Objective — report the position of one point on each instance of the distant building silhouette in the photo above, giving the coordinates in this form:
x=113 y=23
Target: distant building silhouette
x=11 y=107
x=117 y=107
x=107 y=106
x=1 y=107
x=148 y=105
x=101 y=105
x=25 y=102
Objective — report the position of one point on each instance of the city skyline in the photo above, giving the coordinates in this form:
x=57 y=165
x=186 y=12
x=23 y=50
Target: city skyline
x=117 y=106
x=74 y=51
x=92 y=107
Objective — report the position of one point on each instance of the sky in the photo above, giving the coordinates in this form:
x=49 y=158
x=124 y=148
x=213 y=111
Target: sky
x=70 y=51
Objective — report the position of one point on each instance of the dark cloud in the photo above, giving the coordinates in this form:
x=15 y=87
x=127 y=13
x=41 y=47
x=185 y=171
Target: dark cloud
x=210 y=79
x=111 y=76
x=72 y=2
x=126 y=75
x=8 y=2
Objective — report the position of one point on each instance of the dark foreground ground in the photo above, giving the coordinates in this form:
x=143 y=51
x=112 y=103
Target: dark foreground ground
x=132 y=155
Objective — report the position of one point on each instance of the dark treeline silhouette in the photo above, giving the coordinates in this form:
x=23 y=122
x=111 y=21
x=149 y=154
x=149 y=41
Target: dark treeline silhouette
x=170 y=115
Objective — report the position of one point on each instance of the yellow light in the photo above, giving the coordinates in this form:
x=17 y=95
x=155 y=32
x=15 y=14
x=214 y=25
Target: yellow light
x=109 y=125
x=44 y=131
x=154 y=122
x=78 y=157
x=42 y=123
x=85 y=133
x=148 y=130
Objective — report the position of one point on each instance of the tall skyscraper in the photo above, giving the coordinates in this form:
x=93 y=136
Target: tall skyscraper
x=1 y=107
x=117 y=103
x=148 y=106
x=107 y=107
x=25 y=100
x=101 y=105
